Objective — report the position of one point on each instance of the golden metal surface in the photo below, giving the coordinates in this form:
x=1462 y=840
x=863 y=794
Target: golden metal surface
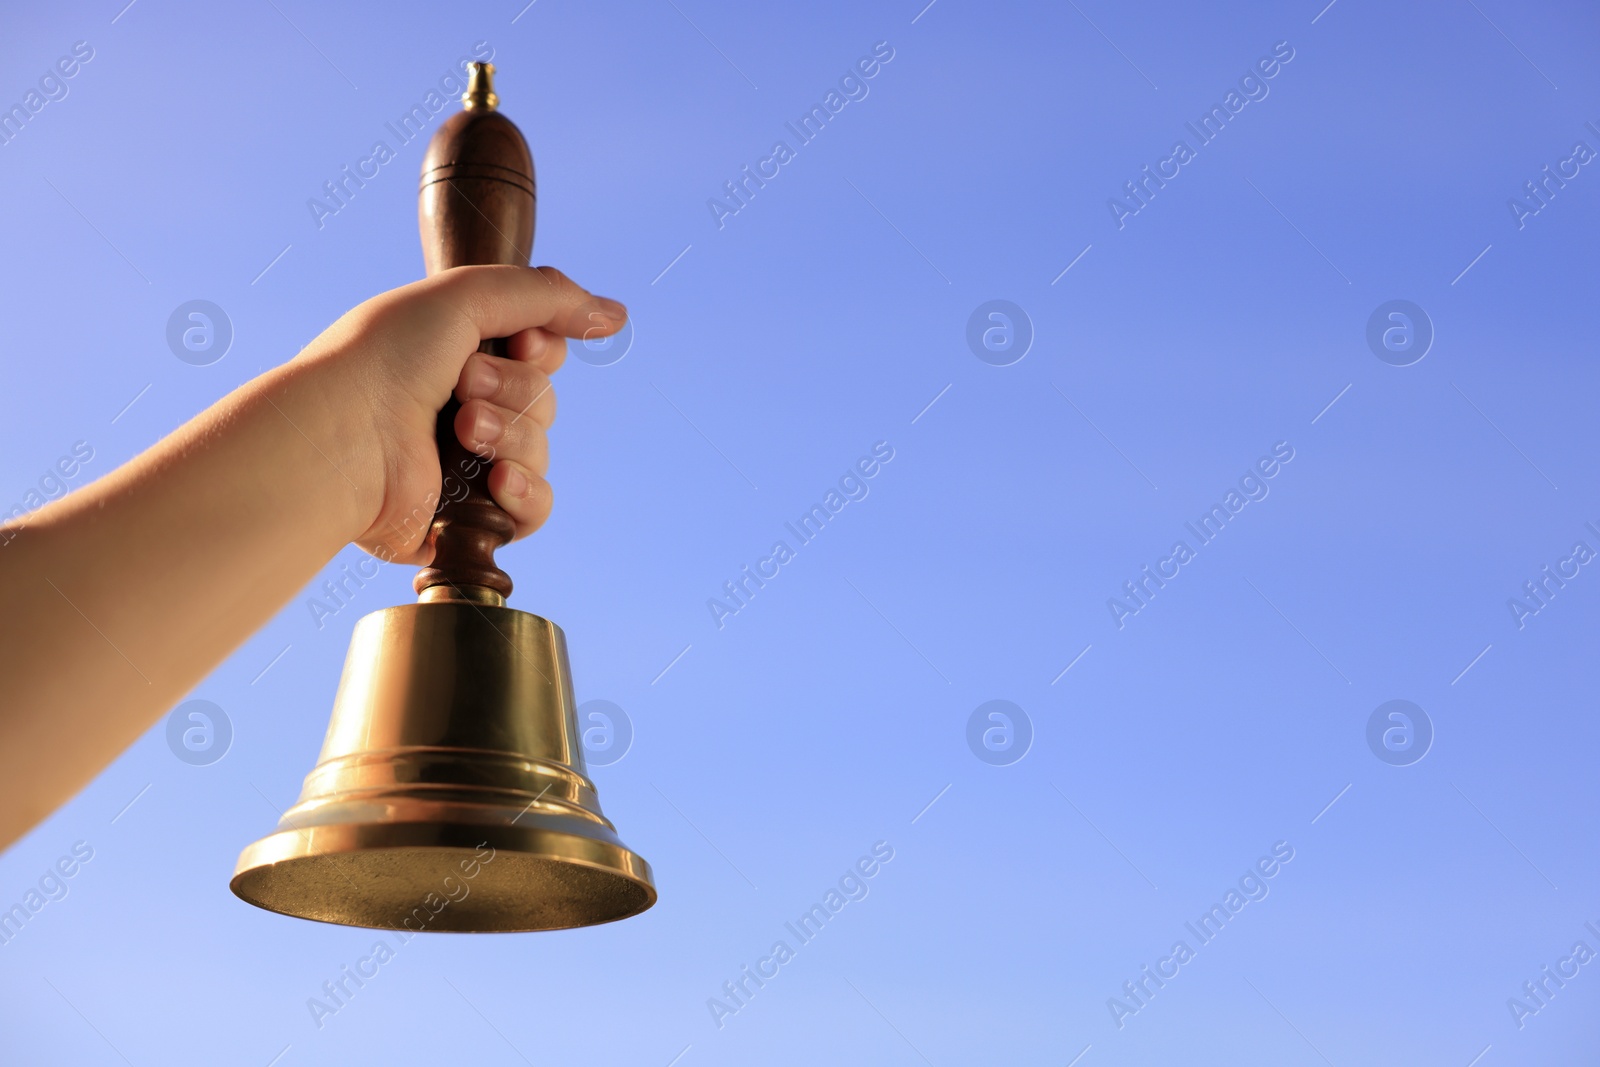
x=451 y=792
x=480 y=88
x=459 y=594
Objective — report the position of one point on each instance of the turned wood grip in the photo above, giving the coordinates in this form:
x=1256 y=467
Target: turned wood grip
x=476 y=206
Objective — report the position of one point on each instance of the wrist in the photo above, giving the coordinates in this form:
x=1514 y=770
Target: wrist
x=337 y=465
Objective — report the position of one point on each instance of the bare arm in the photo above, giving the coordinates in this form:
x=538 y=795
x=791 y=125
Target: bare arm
x=119 y=598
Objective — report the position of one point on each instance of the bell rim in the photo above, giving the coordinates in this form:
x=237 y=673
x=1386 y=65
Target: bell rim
x=284 y=849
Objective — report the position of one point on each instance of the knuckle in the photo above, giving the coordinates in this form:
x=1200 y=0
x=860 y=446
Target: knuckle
x=530 y=439
x=555 y=277
x=528 y=390
x=540 y=500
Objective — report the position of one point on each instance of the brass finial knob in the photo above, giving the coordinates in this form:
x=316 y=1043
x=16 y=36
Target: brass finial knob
x=480 y=88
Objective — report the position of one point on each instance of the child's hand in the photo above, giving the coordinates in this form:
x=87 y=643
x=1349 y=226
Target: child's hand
x=389 y=365
x=138 y=584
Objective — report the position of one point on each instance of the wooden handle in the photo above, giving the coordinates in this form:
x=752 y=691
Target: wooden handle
x=476 y=206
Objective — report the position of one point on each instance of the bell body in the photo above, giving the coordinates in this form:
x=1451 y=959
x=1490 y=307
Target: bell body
x=451 y=793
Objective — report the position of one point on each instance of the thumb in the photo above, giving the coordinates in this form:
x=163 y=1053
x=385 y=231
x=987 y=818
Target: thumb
x=498 y=301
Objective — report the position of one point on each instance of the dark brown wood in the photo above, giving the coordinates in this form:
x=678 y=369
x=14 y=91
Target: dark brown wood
x=476 y=206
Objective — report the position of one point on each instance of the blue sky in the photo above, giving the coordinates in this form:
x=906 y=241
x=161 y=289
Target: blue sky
x=1223 y=323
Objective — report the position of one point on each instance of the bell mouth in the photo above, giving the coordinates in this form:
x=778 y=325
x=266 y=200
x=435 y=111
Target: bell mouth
x=444 y=877
x=450 y=793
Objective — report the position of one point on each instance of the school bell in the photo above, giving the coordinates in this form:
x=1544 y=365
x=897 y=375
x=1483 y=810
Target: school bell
x=451 y=793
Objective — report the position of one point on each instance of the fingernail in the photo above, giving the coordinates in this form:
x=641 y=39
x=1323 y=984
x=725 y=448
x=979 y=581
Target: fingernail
x=610 y=309
x=516 y=482
x=486 y=429
x=483 y=380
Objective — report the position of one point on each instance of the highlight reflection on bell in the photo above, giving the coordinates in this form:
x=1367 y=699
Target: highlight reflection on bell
x=451 y=793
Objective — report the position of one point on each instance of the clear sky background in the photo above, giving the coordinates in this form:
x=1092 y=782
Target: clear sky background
x=1226 y=317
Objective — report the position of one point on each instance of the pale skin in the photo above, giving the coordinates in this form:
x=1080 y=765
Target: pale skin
x=120 y=597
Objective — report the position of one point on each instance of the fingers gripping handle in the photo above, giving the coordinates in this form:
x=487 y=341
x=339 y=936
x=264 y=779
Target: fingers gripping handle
x=476 y=206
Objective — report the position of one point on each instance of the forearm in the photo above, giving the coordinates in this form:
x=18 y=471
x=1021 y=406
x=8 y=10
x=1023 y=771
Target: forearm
x=118 y=599
x=122 y=596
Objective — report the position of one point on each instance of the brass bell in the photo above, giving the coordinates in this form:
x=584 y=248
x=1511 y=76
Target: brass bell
x=451 y=793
